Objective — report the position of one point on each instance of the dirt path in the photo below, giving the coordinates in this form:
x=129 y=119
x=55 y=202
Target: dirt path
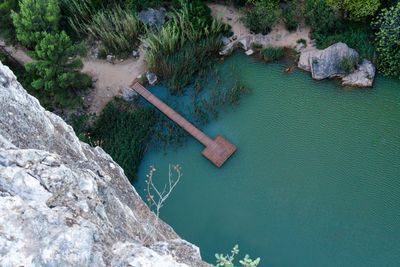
x=110 y=79
x=279 y=35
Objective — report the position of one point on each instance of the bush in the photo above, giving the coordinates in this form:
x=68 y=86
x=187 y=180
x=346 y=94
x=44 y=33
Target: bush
x=116 y=28
x=261 y=17
x=321 y=17
x=123 y=133
x=348 y=64
x=388 y=41
x=357 y=9
x=55 y=70
x=34 y=19
x=272 y=53
x=291 y=15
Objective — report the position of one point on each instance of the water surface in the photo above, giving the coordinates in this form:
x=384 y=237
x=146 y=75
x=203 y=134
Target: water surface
x=315 y=180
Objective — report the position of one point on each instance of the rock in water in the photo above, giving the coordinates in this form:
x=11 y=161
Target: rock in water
x=326 y=64
x=64 y=203
x=363 y=76
x=151 y=78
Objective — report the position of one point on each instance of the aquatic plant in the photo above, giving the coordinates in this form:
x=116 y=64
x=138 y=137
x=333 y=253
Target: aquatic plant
x=270 y=54
x=229 y=259
x=182 y=46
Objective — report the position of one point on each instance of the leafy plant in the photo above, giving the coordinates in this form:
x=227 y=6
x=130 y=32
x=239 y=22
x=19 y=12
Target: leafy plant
x=7 y=29
x=228 y=259
x=321 y=17
x=291 y=15
x=388 y=41
x=261 y=17
x=348 y=64
x=34 y=19
x=357 y=9
x=272 y=53
x=55 y=70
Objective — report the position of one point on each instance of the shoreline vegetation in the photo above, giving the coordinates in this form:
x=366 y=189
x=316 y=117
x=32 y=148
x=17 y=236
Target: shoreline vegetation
x=182 y=52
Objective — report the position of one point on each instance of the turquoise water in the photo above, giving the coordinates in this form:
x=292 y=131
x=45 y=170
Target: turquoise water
x=315 y=180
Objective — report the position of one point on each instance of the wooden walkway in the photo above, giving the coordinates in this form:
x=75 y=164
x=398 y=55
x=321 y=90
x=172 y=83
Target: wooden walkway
x=217 y=150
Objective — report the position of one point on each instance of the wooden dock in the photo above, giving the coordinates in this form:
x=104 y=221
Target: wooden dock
x=217 y=150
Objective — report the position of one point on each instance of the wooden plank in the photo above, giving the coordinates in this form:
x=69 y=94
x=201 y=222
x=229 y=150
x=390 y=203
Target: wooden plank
x=217 y=150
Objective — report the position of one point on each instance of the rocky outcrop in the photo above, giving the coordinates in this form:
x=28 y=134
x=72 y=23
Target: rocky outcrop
x=64 y=203
x=327 y=64
x=363 y=76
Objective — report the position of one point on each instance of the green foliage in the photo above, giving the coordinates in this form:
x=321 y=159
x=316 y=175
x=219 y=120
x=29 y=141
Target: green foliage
x=348 y=64
x=7 y=30
x=34 y=18
x=55 y=70
x=228 y=260
x=123 y=133
x=357 y=9
x=272 y=53
x=182 y=46
x=388 y=41
x=261 y=17
x=291 y=15
x=320 y=17
x=117 y=28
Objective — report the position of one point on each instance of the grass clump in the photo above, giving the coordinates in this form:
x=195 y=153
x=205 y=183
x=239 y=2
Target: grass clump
x=118 y=29
x=183 y=46
x=348 y=64
x=271 y=54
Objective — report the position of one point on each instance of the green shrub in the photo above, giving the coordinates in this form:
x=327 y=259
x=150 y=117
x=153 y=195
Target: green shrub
x=348 y=64
x=357 y=9
x=55 y=70
x=321 y=17
x=291 y=15
x=261 y=17
x=272 y=53
x=34 y=19
x=388 y=41
x=116 y=28
x=124 y=134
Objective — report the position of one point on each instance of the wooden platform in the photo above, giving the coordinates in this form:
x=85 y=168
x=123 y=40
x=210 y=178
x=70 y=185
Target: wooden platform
x=217 y=150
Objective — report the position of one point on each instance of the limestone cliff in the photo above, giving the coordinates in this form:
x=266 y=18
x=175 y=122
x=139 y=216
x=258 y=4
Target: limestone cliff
x=64 y=203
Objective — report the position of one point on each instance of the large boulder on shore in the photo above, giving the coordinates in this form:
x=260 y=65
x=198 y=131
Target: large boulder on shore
x=326 y=63
x=64 y=203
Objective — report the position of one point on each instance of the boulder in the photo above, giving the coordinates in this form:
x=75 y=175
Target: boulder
x=153 y=17
x=326 y=63
x=65 y=203
x=151 y=78
x=363 y=76
x=128 y=94
x=135 y=54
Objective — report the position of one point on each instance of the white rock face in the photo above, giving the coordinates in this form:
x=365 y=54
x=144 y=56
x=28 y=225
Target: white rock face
x=363 y=76
x=326 y=64
x=64 y=203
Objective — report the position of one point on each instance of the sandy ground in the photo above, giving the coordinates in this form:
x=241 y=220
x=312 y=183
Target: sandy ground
x=279 y=35
x=17 y=52
x=110 y=79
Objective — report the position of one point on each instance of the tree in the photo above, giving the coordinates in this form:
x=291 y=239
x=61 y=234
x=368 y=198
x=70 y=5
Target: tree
x=34 y=18
x=262 y=16
x=357 y=9
x=320 y=17
x=56 y=66
x=388 y=40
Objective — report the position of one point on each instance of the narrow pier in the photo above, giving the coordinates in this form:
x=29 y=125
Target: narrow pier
x=216 y=150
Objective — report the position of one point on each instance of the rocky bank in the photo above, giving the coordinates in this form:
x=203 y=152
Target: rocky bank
x=64 y=203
